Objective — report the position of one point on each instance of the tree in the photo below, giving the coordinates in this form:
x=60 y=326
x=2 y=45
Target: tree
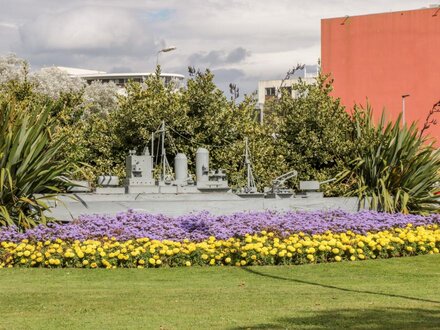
x=100 y=98
x=221 y=126
x=55 y=83
x=12 y=68
x=314 y=129
x=142 y=111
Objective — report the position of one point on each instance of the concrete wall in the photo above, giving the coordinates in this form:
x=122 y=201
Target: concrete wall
x=381 y=57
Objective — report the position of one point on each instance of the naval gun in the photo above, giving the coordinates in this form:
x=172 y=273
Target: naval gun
x=278 y=188
x=310 y=189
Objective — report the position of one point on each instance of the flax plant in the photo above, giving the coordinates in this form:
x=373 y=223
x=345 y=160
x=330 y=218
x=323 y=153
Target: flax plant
x=30 y=174
x=394 y=168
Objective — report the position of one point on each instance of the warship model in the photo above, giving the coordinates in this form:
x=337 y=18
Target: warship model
x=176 y=192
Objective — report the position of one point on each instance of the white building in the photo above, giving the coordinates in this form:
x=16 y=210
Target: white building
x=269 y=89
x=120 y=79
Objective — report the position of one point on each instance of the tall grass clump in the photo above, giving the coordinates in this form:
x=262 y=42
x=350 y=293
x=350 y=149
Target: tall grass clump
x=395 y=169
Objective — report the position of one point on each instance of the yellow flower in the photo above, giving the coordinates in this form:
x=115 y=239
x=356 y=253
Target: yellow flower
x=228 y=260
x=85 y=262
x=291 y=248
x=152 y=261
x=338 y=258
x=188 y=264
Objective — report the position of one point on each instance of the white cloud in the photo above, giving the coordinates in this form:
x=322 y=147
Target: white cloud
x=88 y=30
x=8 y=25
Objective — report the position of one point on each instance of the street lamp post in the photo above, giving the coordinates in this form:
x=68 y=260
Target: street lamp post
x=164 y=50
x=403 y=108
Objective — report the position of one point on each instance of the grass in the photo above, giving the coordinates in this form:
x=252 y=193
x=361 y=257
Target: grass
x=396 y=293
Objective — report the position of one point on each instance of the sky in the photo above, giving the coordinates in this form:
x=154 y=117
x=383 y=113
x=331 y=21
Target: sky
x=240 y=41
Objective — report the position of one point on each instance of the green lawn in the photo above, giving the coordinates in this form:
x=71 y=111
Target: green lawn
x=382 y=294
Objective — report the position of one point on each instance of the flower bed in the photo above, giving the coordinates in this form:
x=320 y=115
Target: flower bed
x=265 y=238
x=198 y=227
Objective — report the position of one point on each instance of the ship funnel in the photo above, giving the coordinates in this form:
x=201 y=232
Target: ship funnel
x=202 y=165
x=181 y=168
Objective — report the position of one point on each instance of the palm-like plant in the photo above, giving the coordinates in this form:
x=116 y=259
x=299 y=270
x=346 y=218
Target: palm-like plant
x=395 y=169
x=28 y=164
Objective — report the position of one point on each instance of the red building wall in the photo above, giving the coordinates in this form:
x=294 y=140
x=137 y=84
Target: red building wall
x=381 y=57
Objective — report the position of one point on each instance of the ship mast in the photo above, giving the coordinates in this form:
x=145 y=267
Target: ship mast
x=165 y=166
x=250 y=187
x=164 y=155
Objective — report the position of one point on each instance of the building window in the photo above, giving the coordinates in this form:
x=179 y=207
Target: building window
x=270 y=91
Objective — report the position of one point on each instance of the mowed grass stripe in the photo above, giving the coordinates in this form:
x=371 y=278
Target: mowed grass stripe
x=400 y=293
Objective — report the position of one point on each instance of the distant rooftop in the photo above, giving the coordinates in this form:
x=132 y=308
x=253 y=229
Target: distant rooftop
x=121 y=79
x=78 y=71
